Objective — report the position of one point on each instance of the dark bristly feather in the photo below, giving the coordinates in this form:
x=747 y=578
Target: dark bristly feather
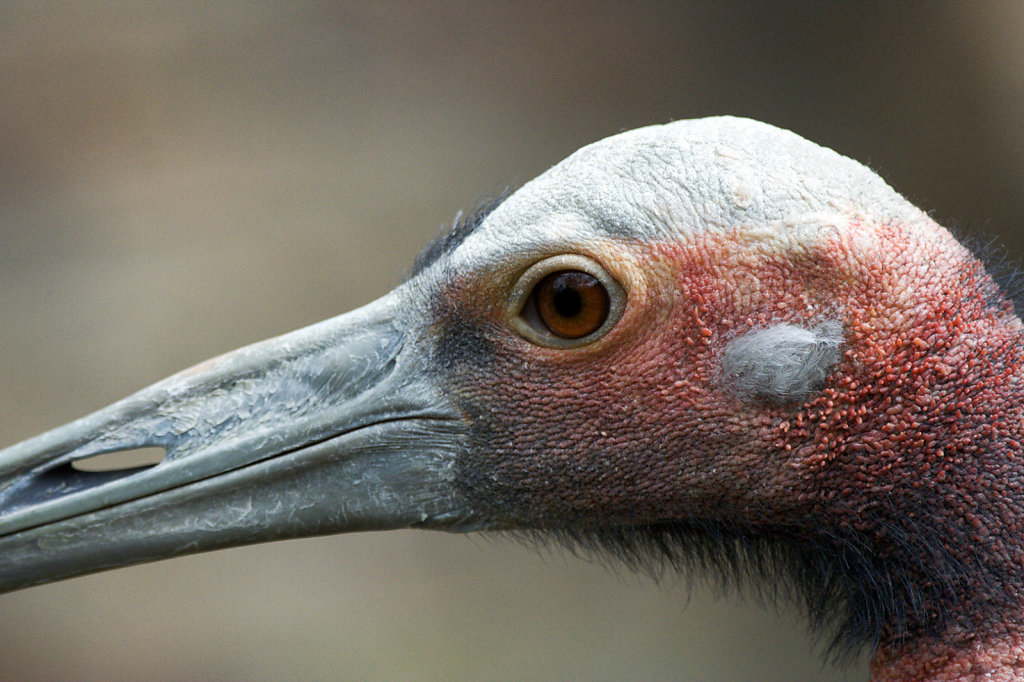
x=827 y=577
x=853 y=597
x=461 y=228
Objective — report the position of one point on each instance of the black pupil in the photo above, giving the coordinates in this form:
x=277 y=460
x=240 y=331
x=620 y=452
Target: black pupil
x=567 y=300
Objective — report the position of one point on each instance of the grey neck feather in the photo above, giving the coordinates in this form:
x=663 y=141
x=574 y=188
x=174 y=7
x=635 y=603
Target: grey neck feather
x=782 y=363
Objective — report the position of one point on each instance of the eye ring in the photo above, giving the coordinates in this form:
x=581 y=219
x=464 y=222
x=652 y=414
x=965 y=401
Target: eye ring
x=595 y=302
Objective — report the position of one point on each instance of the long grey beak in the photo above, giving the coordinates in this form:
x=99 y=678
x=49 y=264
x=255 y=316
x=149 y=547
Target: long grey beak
x=332 y=428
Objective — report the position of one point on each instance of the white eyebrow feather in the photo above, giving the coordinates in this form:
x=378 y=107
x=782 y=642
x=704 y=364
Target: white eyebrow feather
x=782 y=363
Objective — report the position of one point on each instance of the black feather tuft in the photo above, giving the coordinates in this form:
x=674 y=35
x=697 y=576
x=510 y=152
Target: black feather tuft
x=461 y=228
x=854 y=598
x=772 y=569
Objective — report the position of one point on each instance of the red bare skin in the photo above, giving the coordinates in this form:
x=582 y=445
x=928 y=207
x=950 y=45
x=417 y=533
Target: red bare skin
x=996 y=658
x=923 y=412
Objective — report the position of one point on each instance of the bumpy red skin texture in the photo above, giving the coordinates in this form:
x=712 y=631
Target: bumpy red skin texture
x=990 y=658
x=916 y=434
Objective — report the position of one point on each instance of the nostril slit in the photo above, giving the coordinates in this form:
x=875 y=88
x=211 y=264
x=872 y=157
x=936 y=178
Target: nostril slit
x=120 y=460
x=80 y=475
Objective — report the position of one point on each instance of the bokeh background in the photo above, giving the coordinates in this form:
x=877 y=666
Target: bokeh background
x=178 y=179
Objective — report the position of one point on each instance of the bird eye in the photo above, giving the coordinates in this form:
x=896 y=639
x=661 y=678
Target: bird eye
x=571 y=303
x=565 y=301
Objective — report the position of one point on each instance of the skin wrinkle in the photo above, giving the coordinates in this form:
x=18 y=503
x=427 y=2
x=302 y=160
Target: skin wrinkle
x=882 y=495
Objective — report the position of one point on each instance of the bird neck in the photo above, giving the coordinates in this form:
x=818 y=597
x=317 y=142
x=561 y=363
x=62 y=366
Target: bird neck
x=957 y=533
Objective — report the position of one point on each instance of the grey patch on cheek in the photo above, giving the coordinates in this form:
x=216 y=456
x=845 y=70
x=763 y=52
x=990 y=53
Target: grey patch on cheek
x=782 y=363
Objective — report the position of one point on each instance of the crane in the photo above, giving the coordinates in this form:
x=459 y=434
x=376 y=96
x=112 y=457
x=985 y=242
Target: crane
x=711 y=343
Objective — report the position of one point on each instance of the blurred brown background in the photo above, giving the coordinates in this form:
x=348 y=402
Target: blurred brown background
x=179 y=179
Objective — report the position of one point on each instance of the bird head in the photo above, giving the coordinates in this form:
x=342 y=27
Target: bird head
x=710 y=342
